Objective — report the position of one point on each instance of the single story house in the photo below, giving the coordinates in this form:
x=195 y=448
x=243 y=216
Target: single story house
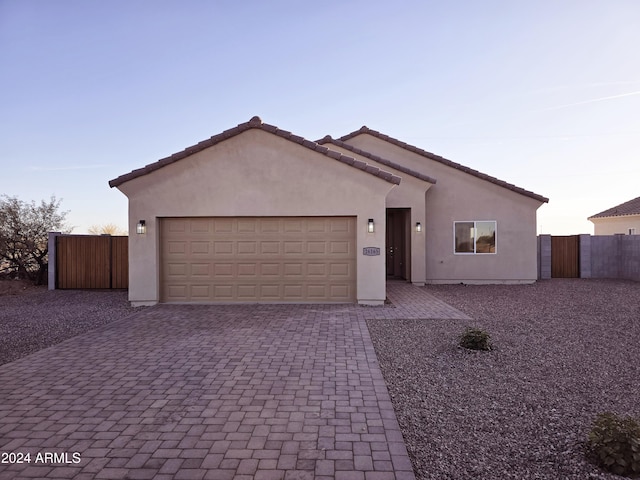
x=623 y=218
x=258 y=214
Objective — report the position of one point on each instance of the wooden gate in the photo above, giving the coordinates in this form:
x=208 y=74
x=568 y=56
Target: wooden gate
x=92 y=261
x=565 y=257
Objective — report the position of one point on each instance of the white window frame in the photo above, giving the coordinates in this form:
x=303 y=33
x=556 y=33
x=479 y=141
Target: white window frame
x=475 y=239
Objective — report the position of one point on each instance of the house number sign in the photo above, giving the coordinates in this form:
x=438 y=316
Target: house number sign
x=371 y=251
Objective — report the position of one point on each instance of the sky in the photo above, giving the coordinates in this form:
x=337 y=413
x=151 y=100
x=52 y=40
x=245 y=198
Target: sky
x=544 y=95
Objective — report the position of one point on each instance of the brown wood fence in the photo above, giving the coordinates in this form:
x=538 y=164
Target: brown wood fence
x=565 y=257
x=92 y=261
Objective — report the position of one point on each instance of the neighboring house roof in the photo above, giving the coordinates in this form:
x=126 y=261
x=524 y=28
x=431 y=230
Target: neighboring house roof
x=632 y=207
x=449 y=163
x=256 y=123
x=375 y=158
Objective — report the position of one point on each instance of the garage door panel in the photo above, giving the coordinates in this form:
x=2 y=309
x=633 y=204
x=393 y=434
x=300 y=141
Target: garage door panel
x=247 y=293
x=200 y=226
x=222 y=225
x=317 y=225
x=293 y=292
x=177 y=269
x=200 y=270
x=223 y=270
x=292 y=225
x=177 y=248
x=317 y=247
x=293 y=248
x=177 y=291
x=176 y=225
x=247 y=248
x=270 y=270
x=270 y=248
x=247 y=225
x=223 y=248
x=337 y=270
x=293 y=269
x=340 y=291
x=316 y=269
x=199 y=248
x=341 y=225
x=247 y=270
x=270 y=292
x=317 y=291
x=253 y=259
x=223 y=292
x=269 y=225
x=200 y=292
x=339 y=247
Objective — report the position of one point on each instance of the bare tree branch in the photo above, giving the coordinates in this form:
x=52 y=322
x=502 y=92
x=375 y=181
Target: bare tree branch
x=24 y=233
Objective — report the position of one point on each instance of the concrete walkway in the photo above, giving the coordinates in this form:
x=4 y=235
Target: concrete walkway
x=212 y=392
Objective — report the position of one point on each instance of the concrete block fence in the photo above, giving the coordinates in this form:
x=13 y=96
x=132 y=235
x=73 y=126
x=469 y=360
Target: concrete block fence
x=601 y=256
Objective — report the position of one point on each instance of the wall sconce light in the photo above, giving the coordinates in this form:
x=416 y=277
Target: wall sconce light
x=141 y=227
x=418 y=227
x=370 y=228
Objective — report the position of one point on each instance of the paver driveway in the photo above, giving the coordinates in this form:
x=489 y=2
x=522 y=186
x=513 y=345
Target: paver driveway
x=211 y=392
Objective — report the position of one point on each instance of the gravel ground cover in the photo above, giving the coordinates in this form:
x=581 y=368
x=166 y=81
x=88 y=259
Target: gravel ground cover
x=564 y=351
x=35 y=318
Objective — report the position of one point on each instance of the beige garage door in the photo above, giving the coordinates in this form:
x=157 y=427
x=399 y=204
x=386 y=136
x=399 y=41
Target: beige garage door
x=258 y=259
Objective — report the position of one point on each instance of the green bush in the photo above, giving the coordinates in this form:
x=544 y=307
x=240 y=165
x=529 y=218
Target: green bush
x=614 y=443
x=475 y=339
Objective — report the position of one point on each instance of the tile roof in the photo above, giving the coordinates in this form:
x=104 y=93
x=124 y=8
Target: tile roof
x=632 y=207
x=256 y=123
x=375 y=158
x=449 y=163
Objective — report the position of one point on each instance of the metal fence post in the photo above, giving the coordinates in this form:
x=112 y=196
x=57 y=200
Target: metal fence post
x=51 y=252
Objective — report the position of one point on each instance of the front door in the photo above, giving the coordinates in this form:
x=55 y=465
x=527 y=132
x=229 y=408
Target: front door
x=397 y=242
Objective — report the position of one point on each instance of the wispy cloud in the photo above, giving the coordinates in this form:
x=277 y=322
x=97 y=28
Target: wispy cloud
x=593 y=100
x=584 y=86
x=66 y=168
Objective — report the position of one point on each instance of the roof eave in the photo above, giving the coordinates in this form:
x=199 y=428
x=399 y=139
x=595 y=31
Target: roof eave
x=374 y=133
x=377 y=159
x=256 y=123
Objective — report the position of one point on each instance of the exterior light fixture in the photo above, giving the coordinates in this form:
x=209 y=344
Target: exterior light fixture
x=141 y=227
x=418 y=227
x=370 y=228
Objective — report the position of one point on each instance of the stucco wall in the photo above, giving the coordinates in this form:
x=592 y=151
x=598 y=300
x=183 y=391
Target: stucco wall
x=458 y=196
x=255 y=174
x=409 y=194
x=615 y=225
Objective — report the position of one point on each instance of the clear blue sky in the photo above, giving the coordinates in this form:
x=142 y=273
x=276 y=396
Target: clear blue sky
x=542 y=94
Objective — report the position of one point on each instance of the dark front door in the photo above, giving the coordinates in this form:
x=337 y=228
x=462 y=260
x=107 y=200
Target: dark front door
x=396 y=238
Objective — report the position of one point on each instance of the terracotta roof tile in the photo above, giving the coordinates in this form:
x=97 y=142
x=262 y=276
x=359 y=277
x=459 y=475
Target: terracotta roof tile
x=256 y=123
x=377 y=159
x=632 y=207
x=334 y=154
x=437 y=158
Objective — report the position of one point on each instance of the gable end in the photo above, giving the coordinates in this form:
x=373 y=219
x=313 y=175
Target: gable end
x=255 y=123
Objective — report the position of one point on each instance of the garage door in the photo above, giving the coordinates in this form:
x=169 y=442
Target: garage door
x=258 y=259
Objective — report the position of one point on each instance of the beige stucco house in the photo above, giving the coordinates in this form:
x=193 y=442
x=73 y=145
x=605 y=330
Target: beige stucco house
x=258 y=214
x=623 y=218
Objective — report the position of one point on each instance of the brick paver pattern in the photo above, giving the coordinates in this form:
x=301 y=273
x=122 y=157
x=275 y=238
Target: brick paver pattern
x=213 y=392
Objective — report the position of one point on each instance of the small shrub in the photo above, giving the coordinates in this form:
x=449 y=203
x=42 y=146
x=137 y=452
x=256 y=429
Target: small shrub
x=614 y=443
x=475 y=339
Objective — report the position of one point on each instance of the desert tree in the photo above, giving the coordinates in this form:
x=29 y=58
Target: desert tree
x=106 y=229
x=24 y=232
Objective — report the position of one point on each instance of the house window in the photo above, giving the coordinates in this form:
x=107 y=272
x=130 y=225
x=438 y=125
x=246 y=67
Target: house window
x=632 y=231
x=474 y=237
